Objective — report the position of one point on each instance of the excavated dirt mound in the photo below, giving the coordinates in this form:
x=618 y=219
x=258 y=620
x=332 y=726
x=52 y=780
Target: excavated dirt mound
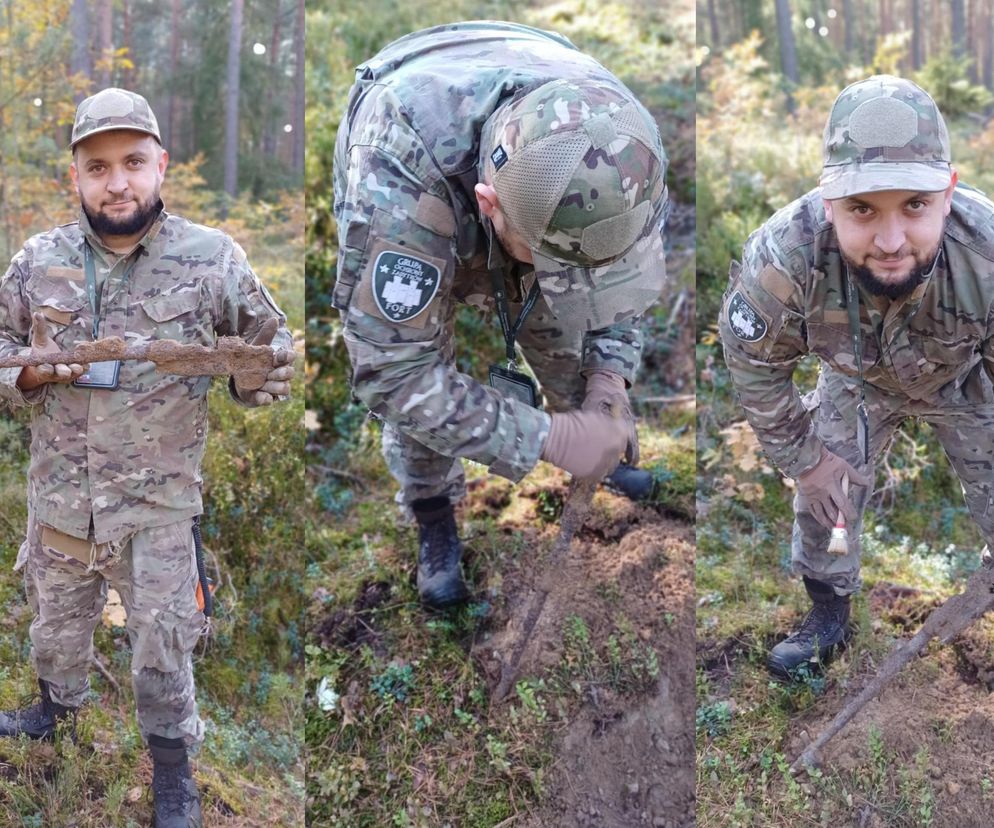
x=940 y=702
x=623 y=761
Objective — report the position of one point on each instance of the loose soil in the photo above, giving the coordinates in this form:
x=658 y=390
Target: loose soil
x=623 y=761
x=941 y=702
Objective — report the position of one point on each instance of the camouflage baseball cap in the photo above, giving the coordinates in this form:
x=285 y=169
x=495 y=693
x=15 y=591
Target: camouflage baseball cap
x=885 y=133
x=113 y=109
x=579 y=171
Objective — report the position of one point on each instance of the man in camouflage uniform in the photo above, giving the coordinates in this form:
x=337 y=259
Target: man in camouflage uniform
x=886 y=272
x=114 y=481
x=484 y=158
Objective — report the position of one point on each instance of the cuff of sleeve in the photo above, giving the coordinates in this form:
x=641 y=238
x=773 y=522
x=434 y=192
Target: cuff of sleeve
x=233 y=391
x=806 y=458
x=522 y=448
x=624 y=365
x=14 y=395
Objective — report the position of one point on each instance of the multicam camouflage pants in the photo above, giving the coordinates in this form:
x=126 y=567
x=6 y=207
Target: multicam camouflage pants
x=963 y=421
x=155 y=574
x=554 y=355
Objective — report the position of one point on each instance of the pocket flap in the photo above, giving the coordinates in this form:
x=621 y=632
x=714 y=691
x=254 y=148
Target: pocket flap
x=950 y=353
x=164 y=308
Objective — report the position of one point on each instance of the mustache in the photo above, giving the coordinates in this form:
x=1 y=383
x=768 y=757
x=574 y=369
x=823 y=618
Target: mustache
x=903 y=253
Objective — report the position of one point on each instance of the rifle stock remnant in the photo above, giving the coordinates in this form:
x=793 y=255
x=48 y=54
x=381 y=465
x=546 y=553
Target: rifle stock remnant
x=232 y=357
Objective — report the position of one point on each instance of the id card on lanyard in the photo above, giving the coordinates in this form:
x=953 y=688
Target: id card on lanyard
x=105 y=376
x=509 y=380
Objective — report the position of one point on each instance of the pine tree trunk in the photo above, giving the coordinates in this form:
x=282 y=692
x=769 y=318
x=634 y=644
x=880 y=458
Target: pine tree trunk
x=298 y=97
x=169 y=136
x=713 y=21
x=958 y=23
x=271 y=126
x=916 y=34
x=847 y=19
x=128 y=76
x=231 y=100
x=79 y=25
x=105 y=41
x=988 y=45
x=788 y=54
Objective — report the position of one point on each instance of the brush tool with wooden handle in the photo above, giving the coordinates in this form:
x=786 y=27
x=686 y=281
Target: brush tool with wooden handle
x=839 y=543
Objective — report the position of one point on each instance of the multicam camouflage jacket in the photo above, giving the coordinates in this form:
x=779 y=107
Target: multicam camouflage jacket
x=406 y=163
x=130 y=458
x=788 y=299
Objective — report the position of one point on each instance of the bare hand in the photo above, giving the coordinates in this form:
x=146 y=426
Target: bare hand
x=41 y=343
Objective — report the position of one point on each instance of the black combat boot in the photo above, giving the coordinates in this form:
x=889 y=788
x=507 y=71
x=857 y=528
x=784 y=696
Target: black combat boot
x=177 y=803
x=826 y=625
x=40 y=720
x=631 y=482
x=440 y=581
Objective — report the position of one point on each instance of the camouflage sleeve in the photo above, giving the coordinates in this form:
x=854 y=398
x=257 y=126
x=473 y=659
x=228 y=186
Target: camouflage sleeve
x=617 y=348
x=243 y=305
x=396 y=268
x=987 y=346
x=761 y=326
x=15 y=330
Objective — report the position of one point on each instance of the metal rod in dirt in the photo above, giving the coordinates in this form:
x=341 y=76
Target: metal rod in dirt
x=575 y=509
x=947 y=621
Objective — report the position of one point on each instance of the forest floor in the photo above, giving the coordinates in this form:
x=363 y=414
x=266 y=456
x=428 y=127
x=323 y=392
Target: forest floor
x=920 y=754
x=401 y=727
x=598 y=729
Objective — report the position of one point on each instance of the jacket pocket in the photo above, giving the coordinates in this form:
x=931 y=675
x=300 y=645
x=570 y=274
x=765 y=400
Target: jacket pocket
x=62 y=304
x=181 y=316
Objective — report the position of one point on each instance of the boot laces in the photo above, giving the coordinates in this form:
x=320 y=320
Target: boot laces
x=437 y=542
x=31 y=712
x=169 y=785
x=819 y=618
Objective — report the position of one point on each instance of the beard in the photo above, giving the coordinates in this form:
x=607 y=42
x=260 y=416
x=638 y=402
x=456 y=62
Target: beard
x=876 y=286
x=144 y=214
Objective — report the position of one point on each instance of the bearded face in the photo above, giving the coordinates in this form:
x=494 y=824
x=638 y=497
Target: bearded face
x=118 y=175
x=890 y=239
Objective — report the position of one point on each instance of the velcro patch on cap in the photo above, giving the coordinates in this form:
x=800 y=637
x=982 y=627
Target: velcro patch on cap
x=499 y=157
x=403 y=284
x=744 y=319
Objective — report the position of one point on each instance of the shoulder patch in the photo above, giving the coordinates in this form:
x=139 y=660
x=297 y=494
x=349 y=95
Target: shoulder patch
x=403 y=284
x=744 y=319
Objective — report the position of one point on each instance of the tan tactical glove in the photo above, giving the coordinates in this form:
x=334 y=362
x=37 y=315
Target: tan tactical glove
x=277 y=382
x=820 y=491
x=41 y=343
x=606 y=392
x=585 y=443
